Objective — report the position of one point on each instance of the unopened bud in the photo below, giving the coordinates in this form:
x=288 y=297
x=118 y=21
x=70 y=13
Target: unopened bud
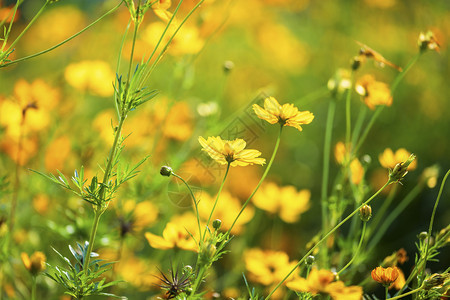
x=423 y=235
x=356 y=63
x=365 y=213
x=435 y=280
x=216 y=224
x=228 y=66
x=166 y=171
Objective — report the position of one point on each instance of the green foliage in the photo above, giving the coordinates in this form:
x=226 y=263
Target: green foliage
x=75 y=280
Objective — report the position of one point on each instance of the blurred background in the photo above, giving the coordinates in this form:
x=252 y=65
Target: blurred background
x=229 y=55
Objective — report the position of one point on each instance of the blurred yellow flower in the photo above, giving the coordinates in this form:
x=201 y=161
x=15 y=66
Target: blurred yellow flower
x=357 y=171
x=135 y=217
x=388 y=159
x=226 y=210
x=267 y=266
x=94 y=76
x=160 y=8
x=35 y=263
x=374 y=92
x=40 y=203
x=11 y=147
x=341 y=153
x=177 y=234
x=381 y=3
x=29 y=108
x=57 y=153
x=178 y=124
x=286 y=115
x=400 y=281
x=322 y=281
x=230 y=152
x=286 y=201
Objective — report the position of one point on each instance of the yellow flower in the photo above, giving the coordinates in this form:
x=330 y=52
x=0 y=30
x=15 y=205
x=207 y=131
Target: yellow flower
x=286 y=201
x=134 y=217
x=160 y=9
x=357 y=171
x=177 y=234
x=230 y=152
x=286 y=115
x=226 y=210
x=374 y=92
x=385 y=276
x=400 y=281
x=322 y=281
x=35 y=263
x=341 y=153
x=366 y=52
x=267 y=266
x=389 y=159
x=94 y=76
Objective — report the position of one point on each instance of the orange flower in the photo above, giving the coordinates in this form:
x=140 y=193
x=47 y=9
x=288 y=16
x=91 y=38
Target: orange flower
x=374 y=92
x=230 y=152
x=286 y=114
x=385 y=276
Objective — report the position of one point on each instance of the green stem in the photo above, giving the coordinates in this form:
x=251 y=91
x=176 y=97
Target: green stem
x=386 y=289
x=266 y=171
x=381 y=230
x=430 y=229
x=195 y=203
x=374 y=117
x=326 y=168
x=406 y=294
x=402 y=74
x=357 y=249
x=198 y=280
x=379 y=216
x=64 y=41
x=5 y=38
x=33 y=288
x=325 y=237
x=28 y=26
x=348 y=119
x=358 y=125
x=217 y=199
x=98 y=214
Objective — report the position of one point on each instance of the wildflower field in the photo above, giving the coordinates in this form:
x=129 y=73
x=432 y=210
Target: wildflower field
x=224 y=149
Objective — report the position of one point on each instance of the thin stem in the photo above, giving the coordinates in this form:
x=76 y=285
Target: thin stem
x=348 y=119
x=64 y=41
x=379 y=216
x=386 y=289
x=195 y=203
x=325 y=237
x=364 y=135
x=358 y=125
x=357 y=249
x=402 y=74
x=28 y=26
x=98 y=214
x=217 y=198
x=5 y=38
x=326 y=167
x=381 y=230
x=406 y=294
x=430 y=229
x=33 y=288
x=266 y=171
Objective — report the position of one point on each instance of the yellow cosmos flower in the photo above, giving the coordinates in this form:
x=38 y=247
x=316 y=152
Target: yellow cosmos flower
x=230 y=152
x=35 y=263
x=388 y=159
x=286 y=114
x=322 y=281
x=267 y=266
x=286 y=201
x=374 y=92
x=177 y=234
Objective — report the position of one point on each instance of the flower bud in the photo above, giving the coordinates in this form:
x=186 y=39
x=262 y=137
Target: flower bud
x=423 y=235
x=427 y=41
x=228 y=66
x=400 y=170
x=216 y=224
x=166 y=171
x=365 y=213
x=356 y=63
x=187 y=270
